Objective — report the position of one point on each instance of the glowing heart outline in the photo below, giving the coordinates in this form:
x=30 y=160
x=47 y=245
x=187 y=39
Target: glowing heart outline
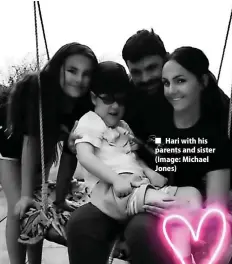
x=196 y=235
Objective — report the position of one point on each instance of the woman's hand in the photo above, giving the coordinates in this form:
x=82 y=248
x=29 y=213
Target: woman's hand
x=137 y=181
x=24 y=204
x=72 y=138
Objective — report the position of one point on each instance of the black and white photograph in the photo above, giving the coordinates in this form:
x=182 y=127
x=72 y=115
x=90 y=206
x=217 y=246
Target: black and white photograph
x=115 y=132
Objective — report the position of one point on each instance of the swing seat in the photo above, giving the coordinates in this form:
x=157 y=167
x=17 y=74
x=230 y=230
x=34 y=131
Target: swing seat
x=33 y=227
x=36 y=225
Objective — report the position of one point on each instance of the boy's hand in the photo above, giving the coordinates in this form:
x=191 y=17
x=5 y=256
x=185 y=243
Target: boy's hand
x=122 y=187
x=137 y=181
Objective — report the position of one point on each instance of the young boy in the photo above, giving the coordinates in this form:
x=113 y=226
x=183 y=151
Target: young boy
x=105 y=149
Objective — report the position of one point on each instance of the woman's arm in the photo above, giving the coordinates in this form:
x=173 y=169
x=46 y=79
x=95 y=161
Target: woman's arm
x=217 y=186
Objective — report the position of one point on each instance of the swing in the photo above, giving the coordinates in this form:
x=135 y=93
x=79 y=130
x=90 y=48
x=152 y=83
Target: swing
x=50 y=223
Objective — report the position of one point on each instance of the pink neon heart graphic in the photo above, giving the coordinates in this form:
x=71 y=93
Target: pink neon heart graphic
x=216 y=251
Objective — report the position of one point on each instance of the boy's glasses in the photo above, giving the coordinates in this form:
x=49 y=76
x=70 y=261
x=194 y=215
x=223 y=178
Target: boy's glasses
x=110 y=99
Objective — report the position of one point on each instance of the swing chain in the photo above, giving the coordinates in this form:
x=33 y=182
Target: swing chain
x=44 y=183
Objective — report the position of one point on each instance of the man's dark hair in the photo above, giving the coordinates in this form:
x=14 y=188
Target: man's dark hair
x=143 y=43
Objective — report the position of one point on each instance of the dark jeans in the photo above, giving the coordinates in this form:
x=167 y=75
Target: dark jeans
x=91 y=233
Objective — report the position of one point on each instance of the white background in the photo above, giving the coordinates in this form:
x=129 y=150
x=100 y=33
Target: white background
x=105 y=25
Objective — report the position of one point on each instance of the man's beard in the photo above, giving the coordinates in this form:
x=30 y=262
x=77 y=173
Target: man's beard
x=150 y=87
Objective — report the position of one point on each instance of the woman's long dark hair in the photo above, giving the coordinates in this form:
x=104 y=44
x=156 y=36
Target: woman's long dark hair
x=23 y=114
x=214 y=102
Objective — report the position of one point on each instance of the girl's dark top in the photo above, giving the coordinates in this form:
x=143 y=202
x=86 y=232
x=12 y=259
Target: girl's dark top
x=26 y=109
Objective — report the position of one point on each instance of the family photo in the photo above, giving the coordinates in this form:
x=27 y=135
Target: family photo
x=115 y=132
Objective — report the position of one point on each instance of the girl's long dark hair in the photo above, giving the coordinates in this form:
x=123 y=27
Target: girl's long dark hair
x=23 y=111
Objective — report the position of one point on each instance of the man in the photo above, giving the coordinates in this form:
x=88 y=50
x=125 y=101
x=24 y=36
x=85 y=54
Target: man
x=144 y=53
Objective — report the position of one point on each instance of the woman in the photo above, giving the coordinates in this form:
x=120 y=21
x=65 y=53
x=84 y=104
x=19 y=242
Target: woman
x=65 y=82
x=198 y=110
x=198 y=128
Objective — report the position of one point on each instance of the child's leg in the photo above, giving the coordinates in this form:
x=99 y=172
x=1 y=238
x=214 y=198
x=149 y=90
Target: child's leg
x=11 y=183
x=191 y=196
x=152 y=195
